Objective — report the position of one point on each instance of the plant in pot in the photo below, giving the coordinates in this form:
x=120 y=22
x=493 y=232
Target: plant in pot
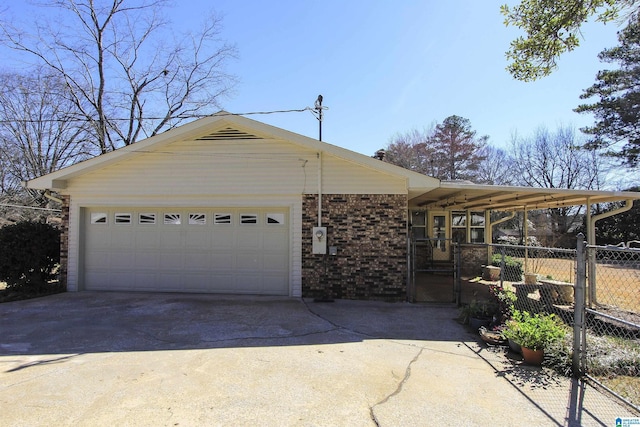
x=478 y=314
x=534 y=333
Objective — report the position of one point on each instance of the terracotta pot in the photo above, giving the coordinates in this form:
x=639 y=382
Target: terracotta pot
x=530 y=278
x=532 y=357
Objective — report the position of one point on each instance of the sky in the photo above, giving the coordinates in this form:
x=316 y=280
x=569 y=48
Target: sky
x=388 y=67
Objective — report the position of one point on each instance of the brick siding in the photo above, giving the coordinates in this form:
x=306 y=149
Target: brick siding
x=370 y=233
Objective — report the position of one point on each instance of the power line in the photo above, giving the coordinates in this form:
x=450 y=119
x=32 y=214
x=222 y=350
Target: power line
x=179 y=117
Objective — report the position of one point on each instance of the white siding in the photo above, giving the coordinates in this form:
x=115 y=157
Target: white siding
x=233 y=168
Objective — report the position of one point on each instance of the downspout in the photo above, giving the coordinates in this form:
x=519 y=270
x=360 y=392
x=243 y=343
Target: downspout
x=319 y=154
x=526 y=239
x=490 y=229
x=591 y=240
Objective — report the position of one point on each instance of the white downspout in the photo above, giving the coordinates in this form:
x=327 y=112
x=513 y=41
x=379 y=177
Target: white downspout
x=591 y=238
x=526 y=239
x=489 y=231
x=319 y=154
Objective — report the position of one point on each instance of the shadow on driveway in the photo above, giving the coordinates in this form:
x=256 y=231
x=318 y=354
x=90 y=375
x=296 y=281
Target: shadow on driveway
x=93 y=322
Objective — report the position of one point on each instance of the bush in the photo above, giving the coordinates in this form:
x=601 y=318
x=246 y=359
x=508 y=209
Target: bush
x=29 y=254
x=512 y=267
x=536 y=332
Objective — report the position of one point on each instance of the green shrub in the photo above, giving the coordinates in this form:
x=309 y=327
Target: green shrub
x=512 y=271
x=536 y=332
x=29 y=254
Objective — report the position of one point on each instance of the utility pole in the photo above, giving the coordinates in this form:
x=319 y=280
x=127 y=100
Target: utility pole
x=319 y=108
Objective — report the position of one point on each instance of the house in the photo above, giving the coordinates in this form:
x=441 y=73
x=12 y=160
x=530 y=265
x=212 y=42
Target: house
x=226 y=204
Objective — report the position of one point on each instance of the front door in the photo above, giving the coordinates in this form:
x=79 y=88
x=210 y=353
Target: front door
x=438 y=231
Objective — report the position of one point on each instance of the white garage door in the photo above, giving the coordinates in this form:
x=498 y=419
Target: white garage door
x=186 y=250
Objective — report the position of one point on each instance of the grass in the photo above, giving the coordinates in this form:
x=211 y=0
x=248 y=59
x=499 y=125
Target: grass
x=614 y=361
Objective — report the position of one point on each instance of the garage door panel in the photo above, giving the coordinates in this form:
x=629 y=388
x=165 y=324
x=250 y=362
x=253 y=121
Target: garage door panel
x=273 y=284
x=199 y=239
x=149 y=259
x=197 y=261
x=122 y=239
x=173 y=260
x=147 y=239
x=274 y=263
x=274 y=239
x=222 y=261
x=248 y=238
x=170 y=238
x=97 y=258
x=197 y=254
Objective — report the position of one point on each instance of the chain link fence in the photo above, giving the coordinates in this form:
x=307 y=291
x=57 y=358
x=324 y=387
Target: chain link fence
x=596 y=293
x=611 y=336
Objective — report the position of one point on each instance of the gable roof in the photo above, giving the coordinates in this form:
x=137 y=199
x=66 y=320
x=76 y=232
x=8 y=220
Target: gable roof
x=225 y=126
x=423 y=191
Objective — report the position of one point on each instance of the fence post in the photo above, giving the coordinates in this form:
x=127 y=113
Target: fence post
x=457 y=283
x=501 y=266
x=578 y=309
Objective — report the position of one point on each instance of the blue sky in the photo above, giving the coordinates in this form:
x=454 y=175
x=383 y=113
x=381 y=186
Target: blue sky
x=388 y=67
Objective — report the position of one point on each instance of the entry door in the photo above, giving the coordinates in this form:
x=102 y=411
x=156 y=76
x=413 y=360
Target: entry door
x=438 y=230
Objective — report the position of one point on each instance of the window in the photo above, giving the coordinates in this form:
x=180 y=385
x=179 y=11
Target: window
x=146 y=218
x=172 y=219
x=221 y=218
x=248 y=219
x=418 y=224
x=98 y=218
x=197 y=219
x=477 y=227
x=275 y=218
x=459 y=227
x=122 y=218
x=473 y=224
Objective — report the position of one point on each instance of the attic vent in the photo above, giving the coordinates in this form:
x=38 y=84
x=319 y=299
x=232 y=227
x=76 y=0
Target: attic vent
x=226 y=134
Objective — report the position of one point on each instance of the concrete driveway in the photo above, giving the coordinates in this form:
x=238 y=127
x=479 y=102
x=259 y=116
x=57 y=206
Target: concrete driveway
x=185 y=360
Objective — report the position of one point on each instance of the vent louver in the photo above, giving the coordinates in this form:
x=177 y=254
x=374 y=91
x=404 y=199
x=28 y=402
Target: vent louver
x=226 y=134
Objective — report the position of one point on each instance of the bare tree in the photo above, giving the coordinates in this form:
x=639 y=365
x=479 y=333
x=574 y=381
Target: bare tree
x=36 y=135
x=556 y=160
x=125 y=78
x=496 y=168
x=411 y=151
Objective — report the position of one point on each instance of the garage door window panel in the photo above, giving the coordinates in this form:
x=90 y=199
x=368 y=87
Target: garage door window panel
x=147 y=218
x=122 y=218
x=172 y=219
x=99 y=218
x=197 y=219
x=222 y=219
x=275 y=219
x=248 y=219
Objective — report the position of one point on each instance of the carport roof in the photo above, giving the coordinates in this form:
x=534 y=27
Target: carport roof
x=456 y=195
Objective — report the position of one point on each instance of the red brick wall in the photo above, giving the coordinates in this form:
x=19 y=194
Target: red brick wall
x=370 y=233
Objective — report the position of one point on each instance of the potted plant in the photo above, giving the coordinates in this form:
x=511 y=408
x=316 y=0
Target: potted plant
x=534 y=333
x=478 y=314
